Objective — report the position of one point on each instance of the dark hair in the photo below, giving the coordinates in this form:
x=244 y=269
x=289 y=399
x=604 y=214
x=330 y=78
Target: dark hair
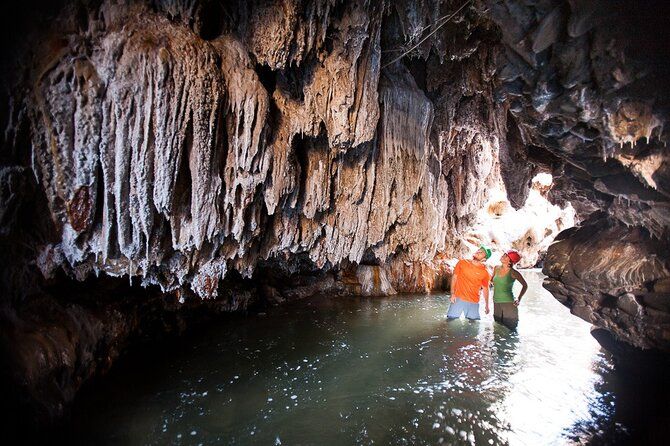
x=510 y=264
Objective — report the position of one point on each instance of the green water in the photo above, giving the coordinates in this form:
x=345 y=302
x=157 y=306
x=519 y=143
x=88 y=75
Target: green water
x=338 y=371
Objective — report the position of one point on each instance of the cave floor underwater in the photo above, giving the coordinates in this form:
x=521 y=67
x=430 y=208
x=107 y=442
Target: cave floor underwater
x=373 y=370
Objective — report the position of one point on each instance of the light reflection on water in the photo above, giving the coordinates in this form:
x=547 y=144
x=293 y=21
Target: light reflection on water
x=385 y=371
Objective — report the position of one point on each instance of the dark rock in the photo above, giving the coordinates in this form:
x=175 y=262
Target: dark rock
x=662 y=286
x=273 y=295
x=629 y=357
x=548 y=30
x=545 y=91
x=57 y=342
x=554 y=127
x=516 y=171
x=604 y=257
x=514 y=68
x=584 y=133
x=583 y=16
x=514 y=88
x=628 y=304
x=626 y=185
x=658 y=300
x=573 y=62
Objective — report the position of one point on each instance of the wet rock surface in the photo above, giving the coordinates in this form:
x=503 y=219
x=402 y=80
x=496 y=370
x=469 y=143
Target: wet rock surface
x=193 y=146
x=613 y=276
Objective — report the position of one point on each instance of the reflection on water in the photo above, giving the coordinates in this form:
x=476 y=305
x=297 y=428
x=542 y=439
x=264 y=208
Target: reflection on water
x=343 y=371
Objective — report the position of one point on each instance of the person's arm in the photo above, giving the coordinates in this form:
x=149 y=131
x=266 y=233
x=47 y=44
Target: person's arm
x=495 y=270
x=453 y=285
x=454 y=277
x=524 y=286
x=485 y=285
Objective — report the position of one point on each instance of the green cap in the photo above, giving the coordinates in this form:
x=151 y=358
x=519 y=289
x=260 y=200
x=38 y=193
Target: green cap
x=486 y=250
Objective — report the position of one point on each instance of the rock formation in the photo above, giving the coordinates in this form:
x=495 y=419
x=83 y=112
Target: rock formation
x=165 y=157
x=583 y=87
x=249 y=152
x=615 y=277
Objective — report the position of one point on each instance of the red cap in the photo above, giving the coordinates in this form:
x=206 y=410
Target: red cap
x=513 y=256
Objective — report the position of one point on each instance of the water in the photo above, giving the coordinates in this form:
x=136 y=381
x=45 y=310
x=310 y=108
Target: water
x=361 y=371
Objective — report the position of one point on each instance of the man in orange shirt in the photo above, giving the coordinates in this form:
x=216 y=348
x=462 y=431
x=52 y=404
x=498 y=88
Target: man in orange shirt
x=470 y=276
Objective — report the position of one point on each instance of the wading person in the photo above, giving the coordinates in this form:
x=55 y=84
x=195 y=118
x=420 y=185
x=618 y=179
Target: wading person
x=505 y=309
x=469 y=278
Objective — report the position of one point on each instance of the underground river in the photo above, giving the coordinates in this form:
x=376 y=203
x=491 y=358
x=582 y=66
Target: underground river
x=367 y=370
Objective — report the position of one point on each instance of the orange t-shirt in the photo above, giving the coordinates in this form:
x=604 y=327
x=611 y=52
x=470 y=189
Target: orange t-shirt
x=470 y=279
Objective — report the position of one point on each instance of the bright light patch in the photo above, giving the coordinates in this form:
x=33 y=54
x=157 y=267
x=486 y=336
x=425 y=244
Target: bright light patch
x=529 y=230
x=544 y=179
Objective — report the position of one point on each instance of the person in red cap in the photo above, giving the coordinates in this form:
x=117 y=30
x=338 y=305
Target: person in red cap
x=505 y=305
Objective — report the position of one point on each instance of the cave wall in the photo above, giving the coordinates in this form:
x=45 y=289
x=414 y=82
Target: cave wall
x=583 y=85
x=586 y=86
x=615 y=277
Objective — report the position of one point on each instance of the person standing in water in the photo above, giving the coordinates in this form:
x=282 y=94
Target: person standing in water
x=505 y=305
x=469 y=278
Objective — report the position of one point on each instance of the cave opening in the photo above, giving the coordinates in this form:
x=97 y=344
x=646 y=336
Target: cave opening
x=528 y=229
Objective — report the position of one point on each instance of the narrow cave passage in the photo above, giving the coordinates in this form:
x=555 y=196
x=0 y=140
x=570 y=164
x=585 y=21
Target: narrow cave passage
x=250 y=221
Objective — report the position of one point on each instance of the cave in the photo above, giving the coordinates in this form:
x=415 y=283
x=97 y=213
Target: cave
x=169 y=167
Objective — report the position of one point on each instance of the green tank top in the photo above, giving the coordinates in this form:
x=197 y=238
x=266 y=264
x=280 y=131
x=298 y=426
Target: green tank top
x=502 y=288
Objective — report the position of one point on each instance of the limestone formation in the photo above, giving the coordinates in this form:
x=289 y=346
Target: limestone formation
x=374 y=281
x=174 y=160
x=161 y=158
x=616 y=278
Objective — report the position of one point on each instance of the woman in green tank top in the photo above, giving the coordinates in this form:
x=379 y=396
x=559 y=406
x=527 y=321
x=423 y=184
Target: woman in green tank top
x=504 y=304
